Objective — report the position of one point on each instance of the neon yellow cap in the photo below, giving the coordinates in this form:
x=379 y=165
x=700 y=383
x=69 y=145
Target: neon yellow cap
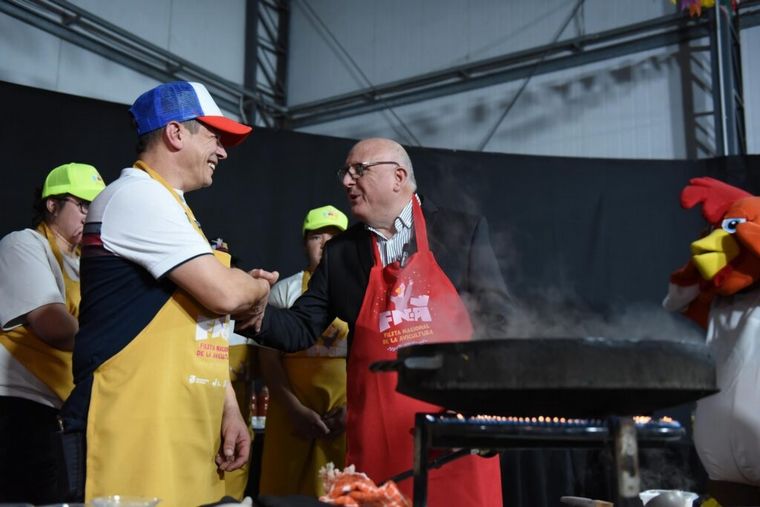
x=326 y=216
x=79 y=180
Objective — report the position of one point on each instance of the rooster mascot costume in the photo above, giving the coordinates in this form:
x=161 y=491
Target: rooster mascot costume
x=719 y=289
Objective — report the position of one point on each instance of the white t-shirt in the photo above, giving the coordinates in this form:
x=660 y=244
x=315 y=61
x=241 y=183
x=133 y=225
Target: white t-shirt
x=30 y=277
x=142 y=222
x=283 y=294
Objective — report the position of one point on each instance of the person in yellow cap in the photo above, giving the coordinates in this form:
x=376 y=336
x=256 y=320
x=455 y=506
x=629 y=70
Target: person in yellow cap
x=306 y=416
x=39 y=304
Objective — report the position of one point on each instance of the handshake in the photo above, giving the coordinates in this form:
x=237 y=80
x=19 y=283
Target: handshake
x=253 y=315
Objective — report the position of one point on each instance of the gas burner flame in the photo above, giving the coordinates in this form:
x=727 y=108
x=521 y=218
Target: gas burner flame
x=541 y=420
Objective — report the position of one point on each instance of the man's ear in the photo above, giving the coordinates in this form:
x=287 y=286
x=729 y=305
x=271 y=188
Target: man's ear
x=174 y=134
x=399 y=178
x=51 y=206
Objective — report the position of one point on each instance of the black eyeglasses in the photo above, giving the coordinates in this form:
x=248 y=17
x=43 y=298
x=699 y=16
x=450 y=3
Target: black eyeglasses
x=84 y=206
x=357 y=170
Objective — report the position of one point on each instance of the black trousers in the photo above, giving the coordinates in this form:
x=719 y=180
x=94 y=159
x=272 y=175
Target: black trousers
x=28 y=457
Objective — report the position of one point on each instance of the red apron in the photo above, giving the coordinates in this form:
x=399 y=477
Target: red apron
x=406 y=306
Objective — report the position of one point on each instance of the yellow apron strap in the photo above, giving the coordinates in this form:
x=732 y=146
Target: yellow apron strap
x=46 y=231
x=190 y=215
x=222 y=257
x=73 y=295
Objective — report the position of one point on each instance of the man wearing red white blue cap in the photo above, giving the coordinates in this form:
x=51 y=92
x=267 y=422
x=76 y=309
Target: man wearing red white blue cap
x=153 y=413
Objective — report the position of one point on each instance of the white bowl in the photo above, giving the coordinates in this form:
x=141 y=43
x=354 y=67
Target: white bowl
x=674 y=496
x=124 y=501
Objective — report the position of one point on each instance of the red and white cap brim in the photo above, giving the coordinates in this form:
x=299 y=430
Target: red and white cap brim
x=232 y=133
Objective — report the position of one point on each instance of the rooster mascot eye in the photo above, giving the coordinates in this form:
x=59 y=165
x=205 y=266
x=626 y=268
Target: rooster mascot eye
x=729 y=224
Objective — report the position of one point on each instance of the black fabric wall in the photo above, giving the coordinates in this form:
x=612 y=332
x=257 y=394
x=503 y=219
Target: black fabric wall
x=607 y=233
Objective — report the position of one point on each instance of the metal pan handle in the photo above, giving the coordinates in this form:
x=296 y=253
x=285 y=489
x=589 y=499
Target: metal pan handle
x=424 y=362
x=434 y=362
x=380 y=366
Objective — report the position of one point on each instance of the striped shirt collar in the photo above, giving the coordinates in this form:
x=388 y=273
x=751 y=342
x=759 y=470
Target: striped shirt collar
x=391 y=249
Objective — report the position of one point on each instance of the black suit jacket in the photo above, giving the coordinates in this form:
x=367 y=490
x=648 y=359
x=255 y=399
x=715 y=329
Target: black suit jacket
x=460 y=244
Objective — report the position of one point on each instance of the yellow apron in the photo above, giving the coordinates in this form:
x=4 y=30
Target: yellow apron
x=236 y=481
x=50 y=365
x=290 y=465
x=153 y=426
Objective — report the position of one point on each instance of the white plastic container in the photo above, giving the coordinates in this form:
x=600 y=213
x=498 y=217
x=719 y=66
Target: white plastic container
x=670 y=498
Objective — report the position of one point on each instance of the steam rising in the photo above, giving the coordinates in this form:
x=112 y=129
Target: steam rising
x=555 y=314
x=550 y=311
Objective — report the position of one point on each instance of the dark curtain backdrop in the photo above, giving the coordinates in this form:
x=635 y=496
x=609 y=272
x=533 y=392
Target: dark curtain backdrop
x=604 y=234
x=607 y=231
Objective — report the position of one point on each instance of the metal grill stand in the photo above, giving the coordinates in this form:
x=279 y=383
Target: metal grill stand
x=435 y=431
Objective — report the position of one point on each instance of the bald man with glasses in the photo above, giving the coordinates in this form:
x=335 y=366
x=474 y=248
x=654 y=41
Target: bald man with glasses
x=397 y=278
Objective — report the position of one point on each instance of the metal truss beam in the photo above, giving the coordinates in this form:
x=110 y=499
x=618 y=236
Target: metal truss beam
x=728 y=98
x=80 y=27
x=267 y=24
x=651 y=34
x=263 y=95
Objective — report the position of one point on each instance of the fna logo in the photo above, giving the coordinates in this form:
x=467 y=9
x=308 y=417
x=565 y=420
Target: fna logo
x=406 y=308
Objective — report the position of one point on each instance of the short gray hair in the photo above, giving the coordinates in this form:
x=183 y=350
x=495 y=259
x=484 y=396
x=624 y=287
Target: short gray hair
x=402 y=157
x=145 y=141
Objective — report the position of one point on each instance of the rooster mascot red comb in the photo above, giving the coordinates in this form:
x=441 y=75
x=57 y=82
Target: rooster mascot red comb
x=719 y=288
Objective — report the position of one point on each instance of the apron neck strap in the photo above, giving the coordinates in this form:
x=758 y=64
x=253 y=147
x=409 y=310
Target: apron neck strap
x=188 y=212
x=46 y=231
x=305 y=280
x=420 y=227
